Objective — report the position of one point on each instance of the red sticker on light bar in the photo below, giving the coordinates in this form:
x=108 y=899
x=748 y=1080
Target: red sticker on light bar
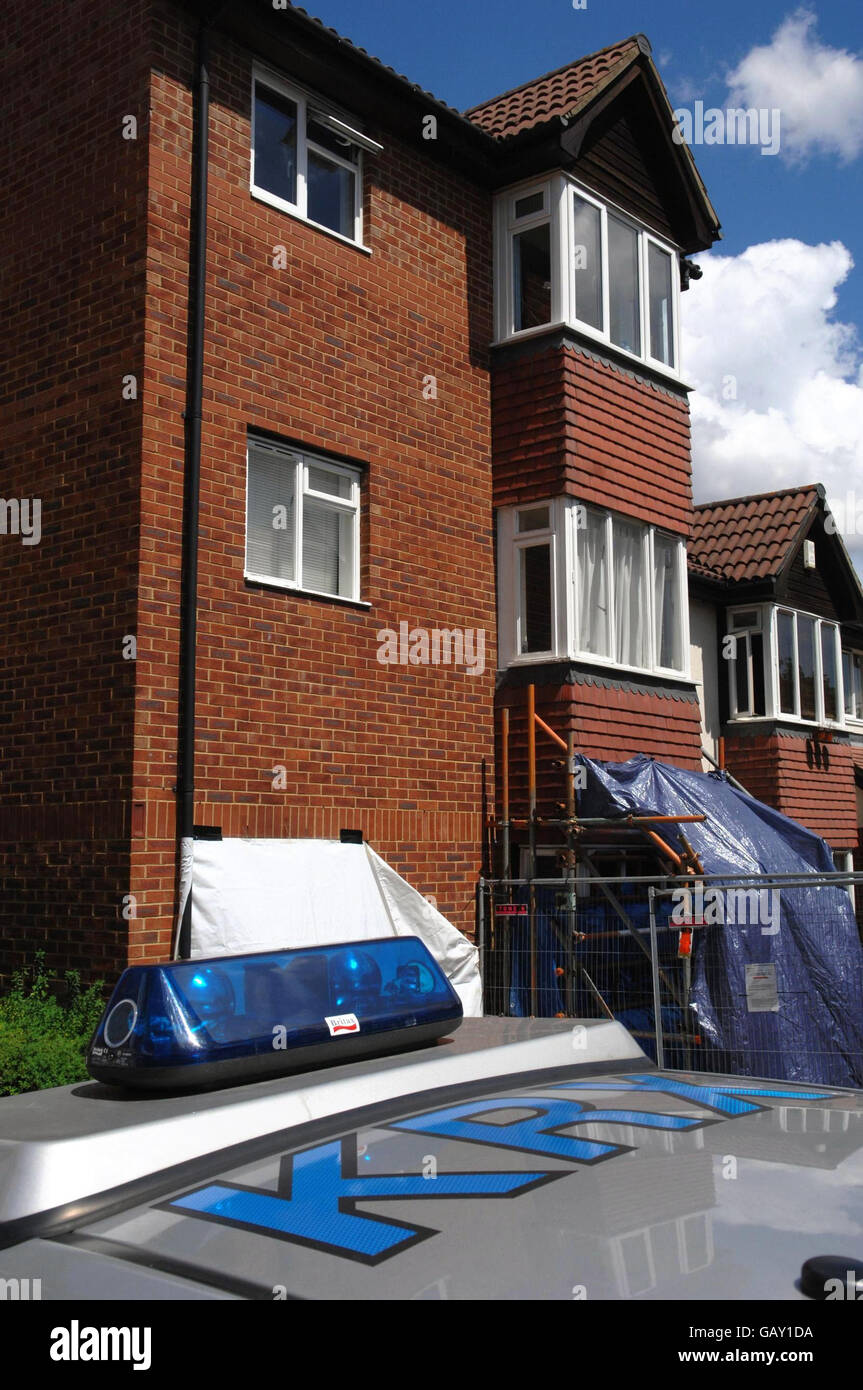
x=342 y=1023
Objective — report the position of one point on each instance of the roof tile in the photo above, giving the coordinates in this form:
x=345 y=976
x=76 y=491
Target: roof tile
x=748 y=538
x=554 y=94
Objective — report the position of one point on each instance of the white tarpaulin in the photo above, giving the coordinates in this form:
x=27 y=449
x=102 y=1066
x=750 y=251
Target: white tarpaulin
x=266 y=895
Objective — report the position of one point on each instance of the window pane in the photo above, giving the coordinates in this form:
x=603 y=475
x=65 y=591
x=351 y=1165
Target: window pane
x=659 y=281
x=588 y=263
x=806 y=661
x=275 y=144
x=593 y=607
x=531 y=252
x=331 y=195
x=741 y=676
x=327 y=480
x=848 y=684
x=828 y=671
x=328 y=556
x=271 y=515
x=666 y=594
x=625 y=329
x=329 y=140
x=630 y=599
x=756 y=645
x=530 y=203
x=748 y=617
x=785 y=634
x=535 y=579
x=536 y=519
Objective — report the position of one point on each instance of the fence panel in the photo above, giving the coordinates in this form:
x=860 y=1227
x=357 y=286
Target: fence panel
x=582 y=948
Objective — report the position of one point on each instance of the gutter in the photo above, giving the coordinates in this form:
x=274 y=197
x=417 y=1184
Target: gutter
x=192 y=418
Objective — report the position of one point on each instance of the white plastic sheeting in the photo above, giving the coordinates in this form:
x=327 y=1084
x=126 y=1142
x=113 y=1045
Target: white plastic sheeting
x=266 y=895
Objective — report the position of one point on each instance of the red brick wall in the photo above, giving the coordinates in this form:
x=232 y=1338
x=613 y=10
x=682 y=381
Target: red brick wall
x=783 y=772
x=565 y=422
x=330 y=352
x=73 y=256
x=609 y=724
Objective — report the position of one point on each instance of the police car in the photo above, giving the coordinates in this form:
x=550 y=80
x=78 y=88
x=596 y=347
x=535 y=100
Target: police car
x=324 y=1124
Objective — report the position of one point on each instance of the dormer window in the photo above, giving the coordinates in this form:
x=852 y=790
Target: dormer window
x=566 y=257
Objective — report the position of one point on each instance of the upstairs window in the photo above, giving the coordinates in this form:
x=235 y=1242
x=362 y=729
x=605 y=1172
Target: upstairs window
x=783 y=664
x=630 y=599
x=530 y=224
x=305 y=159
x=565 y=256
x=302 y=521
x=583 y=583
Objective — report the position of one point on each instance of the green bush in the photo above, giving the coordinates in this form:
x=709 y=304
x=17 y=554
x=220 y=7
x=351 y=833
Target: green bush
x=43 y=1041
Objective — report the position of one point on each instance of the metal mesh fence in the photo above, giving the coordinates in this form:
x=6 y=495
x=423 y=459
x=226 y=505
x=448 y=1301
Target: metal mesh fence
x=659 y=962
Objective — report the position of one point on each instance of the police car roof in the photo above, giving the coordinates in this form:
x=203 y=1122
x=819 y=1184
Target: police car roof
x=520 y=1159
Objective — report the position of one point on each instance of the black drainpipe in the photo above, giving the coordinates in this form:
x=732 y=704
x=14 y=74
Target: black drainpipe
x=192 y=418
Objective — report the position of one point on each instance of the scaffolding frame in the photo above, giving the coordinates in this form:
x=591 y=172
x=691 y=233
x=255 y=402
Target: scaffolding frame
x=576 y=831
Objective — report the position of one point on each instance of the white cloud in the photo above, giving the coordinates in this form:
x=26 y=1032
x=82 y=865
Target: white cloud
x=779 y=382
x=817 y=89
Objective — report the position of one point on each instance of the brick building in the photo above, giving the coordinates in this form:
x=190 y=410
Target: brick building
x=777 y=624
x=412 y=319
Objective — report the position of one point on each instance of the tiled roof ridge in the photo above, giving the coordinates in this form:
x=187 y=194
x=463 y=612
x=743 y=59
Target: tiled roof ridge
x=817 y=488
x=554 y=72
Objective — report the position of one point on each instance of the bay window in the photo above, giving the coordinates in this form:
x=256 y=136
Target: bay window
x=580 y=582
x=783 y=664
x=566 y=257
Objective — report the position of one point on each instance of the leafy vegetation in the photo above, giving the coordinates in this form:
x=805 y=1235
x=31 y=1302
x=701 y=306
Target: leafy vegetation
x=43 y=1040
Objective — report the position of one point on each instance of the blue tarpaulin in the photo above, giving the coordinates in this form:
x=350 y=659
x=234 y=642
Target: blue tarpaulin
x=808 y=935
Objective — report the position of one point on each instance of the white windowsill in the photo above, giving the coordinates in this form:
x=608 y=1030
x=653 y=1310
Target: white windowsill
x=272 y=200
x=829 y=724
x=304 y=593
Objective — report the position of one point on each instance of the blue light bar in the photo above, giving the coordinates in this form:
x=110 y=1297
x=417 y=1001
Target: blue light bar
x=206 y=1022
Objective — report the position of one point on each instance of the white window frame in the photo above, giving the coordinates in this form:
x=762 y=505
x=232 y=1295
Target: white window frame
x=558 y=212
x=511 y=541
x=743 y=635
x=348 y=506
x=562 y=535
x=843 y=862
x=308 y=104
x=769 y=615
x=852 y=719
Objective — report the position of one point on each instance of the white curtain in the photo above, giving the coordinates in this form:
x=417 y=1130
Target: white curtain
x=593 y=608
x=630 y=608
x=666 y=603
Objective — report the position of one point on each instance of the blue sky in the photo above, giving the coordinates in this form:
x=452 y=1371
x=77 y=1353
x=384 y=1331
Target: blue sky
x=464 y=53
x=780 y=308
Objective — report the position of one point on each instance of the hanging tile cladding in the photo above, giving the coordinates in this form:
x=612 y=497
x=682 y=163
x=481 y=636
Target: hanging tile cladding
x=566 y=421
x=783 y=771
